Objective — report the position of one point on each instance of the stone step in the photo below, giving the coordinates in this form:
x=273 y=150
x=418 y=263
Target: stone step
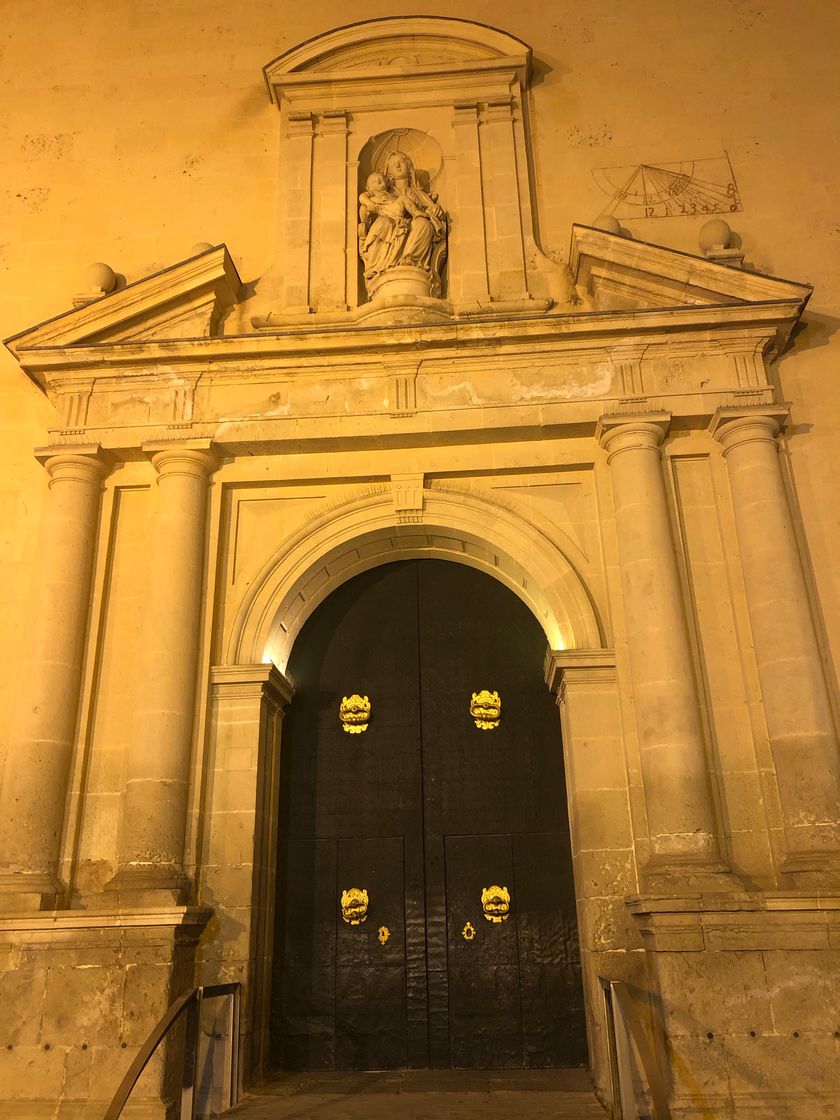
x=425 y=1095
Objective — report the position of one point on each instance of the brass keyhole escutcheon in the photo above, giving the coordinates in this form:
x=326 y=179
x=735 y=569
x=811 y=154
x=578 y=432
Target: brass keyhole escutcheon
x=468 y=932
x=383 y=934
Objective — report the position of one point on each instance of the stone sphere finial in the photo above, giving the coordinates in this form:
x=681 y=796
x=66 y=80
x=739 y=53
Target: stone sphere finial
x=607 y=223
x=715 y=235
x=200 y=247
x=100 y=277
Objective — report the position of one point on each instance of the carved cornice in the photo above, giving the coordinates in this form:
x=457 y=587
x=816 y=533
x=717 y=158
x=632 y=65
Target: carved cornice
x=700 y=329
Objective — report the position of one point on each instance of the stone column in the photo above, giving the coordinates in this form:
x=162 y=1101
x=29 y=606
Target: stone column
x=46 y=708
x=675 y=773
x=154 y=817
x=800 y=725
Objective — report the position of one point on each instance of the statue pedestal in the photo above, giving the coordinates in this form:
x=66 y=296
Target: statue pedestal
x=402 y=280
x=404 y=294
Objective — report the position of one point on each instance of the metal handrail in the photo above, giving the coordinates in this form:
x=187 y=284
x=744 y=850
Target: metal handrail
x=616 y=994
x=189 y=1004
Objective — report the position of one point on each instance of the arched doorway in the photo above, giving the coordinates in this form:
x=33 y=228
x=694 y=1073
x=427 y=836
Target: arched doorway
x=423 y=810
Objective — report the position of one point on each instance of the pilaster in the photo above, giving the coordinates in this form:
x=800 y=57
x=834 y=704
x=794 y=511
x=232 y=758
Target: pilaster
x=467 y=251
x=502 y=208
x=296 y=211
x=239 y=857
x=328 y=249
x=602 y=828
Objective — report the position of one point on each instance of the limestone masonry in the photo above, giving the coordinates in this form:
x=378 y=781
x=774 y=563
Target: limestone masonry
x=507 y=289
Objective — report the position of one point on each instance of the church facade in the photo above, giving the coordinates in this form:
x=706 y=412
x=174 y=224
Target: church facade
x=607 y=434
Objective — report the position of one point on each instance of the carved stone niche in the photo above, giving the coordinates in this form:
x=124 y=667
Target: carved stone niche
x=402 y=224
x=447 y=95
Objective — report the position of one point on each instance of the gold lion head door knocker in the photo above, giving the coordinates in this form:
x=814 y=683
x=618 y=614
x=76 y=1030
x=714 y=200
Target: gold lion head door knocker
x=354 y=906
x=486 y=709
x=495 y=902
x=354 y=713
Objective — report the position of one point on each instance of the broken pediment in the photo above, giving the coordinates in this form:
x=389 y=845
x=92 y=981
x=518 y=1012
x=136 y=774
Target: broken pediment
x=616 y=273
x=187 y=300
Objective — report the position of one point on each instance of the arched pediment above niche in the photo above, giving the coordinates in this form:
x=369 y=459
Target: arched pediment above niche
x=466 y=241
x=399 y=43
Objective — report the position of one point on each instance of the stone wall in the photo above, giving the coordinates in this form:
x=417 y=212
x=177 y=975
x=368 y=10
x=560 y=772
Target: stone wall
x=619 y=473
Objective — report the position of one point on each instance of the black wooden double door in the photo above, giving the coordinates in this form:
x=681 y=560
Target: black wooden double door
x=424 y=810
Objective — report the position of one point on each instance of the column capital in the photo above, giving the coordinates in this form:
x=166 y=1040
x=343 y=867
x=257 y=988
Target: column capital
x=262 y=680
x=300 y=124
x=465 y=112
x=197 y=458
x=734 y=425
x=333 y=122
x=75 y=462
x=561 y=665
x=619 y=432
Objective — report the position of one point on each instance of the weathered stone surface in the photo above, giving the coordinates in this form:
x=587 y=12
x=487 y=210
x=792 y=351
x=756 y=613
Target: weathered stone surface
x=331 y=432
x=84 y=992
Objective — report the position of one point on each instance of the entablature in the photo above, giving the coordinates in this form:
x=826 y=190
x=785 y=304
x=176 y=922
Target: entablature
x=128 y=367
x=414 y=383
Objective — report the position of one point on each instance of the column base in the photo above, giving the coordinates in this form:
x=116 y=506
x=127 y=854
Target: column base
x=813 y=869
x=26 y=891
x=687 y=875
x=149 y=886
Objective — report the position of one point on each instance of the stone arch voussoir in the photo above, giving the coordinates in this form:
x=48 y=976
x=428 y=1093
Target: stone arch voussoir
x=365 y=532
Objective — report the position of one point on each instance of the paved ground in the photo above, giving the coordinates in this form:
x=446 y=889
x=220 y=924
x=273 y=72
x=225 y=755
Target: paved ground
x=425 y=1095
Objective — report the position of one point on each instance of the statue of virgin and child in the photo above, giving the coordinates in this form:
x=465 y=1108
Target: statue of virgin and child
x=400 y=224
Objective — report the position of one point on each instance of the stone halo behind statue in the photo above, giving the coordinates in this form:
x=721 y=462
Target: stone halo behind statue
x=402 y=234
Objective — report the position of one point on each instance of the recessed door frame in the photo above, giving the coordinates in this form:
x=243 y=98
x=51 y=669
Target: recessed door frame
x=249 y=695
